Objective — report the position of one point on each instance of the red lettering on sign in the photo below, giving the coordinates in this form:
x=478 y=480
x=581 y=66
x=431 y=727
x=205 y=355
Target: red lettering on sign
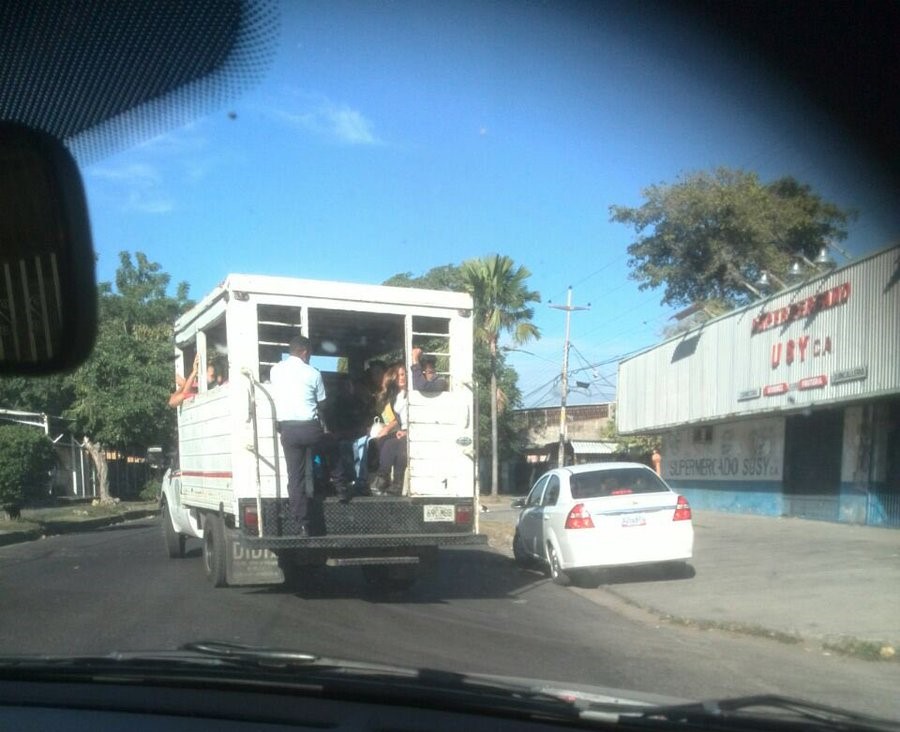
x=832 y=298
x=794 y=349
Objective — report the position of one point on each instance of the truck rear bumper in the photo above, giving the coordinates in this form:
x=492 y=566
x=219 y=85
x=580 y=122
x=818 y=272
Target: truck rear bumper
x=258 y=561
x=363 y=541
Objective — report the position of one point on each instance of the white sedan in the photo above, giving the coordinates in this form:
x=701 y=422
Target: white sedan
x=584 y=517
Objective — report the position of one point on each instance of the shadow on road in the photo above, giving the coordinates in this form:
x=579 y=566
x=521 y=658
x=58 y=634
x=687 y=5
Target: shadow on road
x=462 y=574
x=470 y=574
x=634 y=575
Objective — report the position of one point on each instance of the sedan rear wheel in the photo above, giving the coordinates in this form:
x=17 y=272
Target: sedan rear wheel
x=556 y=572
x=522 y=557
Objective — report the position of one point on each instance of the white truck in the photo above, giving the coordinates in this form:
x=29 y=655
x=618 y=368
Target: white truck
x=229 y=485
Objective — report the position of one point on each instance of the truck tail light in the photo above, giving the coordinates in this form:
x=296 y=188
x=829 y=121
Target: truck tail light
x=682 y=510
x=251 y=518
x=579 y=518
x=463 y=514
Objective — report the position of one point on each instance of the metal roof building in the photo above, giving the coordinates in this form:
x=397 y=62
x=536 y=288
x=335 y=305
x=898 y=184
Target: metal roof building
x=788 y=406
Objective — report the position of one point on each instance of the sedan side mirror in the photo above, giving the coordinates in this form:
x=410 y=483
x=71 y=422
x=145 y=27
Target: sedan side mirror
x=518 y=503
x=48 y=295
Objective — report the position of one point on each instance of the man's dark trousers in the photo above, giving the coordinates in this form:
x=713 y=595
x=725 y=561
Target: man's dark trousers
x=298 y=440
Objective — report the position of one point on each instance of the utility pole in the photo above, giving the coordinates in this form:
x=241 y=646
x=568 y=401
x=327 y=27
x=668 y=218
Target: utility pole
x=564 y=384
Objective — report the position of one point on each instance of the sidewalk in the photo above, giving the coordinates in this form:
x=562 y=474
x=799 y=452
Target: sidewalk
x=40 y=522
x=794 y=579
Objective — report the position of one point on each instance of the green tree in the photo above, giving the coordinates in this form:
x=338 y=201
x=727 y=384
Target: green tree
x=501 y=299
x=46 y=394
x=141 y=294
x=637 y=447
x=444 y=277
x=710 y=234
x=26 y=458
x=121 y=391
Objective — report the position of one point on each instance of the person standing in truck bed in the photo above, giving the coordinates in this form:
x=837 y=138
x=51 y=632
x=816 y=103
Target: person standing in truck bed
x=298 y=392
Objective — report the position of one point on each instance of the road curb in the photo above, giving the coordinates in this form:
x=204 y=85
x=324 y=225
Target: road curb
x=56 y=528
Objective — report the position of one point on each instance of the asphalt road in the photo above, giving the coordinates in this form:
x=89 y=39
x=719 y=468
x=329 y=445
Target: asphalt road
x=114 y=589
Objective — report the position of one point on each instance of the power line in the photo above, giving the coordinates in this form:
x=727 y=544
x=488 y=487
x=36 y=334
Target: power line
x=593 y=274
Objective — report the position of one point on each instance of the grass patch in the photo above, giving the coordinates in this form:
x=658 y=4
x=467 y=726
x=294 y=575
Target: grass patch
x=756 y=631
x=862 y=649
x=20 y=525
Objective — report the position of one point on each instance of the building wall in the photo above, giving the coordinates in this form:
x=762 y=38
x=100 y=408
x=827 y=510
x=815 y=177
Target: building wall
x=540 y=425
x=789 y=406
x=856 y=464
x=736 y=466
x=870 y=485
x=740 y=466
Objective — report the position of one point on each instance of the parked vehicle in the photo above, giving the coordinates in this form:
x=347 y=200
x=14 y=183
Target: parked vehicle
x=230 y=486
x=585 y=517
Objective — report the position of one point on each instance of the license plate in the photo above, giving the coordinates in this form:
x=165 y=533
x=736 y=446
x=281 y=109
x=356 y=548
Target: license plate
x=634 y=519
x=439 y=513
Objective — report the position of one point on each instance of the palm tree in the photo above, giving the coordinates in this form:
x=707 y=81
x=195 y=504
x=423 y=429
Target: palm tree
x=501 y=305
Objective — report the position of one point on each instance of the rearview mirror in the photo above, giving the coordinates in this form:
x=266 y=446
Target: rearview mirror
x=48 y=295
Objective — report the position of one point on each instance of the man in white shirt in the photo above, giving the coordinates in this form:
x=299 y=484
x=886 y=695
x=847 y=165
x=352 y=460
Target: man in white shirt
x=298 y=391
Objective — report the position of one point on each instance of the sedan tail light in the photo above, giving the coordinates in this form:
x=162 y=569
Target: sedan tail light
x=579 y=518
x=682 y=510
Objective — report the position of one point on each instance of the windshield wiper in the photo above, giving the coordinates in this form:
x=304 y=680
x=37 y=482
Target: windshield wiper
x=223 y=663
x=248 y=654
x=821 y=716
x=416 y=686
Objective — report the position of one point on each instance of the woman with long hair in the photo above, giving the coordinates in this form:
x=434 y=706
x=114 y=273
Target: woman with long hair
x=392 y=451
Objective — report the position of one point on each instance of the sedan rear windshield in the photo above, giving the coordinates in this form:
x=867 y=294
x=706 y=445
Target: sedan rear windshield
x=622 y=482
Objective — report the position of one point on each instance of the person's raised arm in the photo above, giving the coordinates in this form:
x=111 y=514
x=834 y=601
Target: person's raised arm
x=187 y=386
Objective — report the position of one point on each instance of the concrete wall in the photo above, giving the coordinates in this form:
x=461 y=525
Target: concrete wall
x=736 y=467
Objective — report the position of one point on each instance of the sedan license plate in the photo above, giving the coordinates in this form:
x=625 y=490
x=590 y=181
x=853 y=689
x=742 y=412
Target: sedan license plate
x=439 y=513
x=634 y=519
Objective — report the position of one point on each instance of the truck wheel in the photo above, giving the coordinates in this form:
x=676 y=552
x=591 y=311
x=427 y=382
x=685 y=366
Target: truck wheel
x=174 y=540
x=214 y=547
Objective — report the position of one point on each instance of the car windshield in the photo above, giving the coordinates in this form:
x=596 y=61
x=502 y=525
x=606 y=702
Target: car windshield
x=621 y=482
x=396 y=263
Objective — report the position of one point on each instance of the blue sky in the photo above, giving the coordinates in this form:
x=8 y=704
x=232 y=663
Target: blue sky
x=395 y=137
